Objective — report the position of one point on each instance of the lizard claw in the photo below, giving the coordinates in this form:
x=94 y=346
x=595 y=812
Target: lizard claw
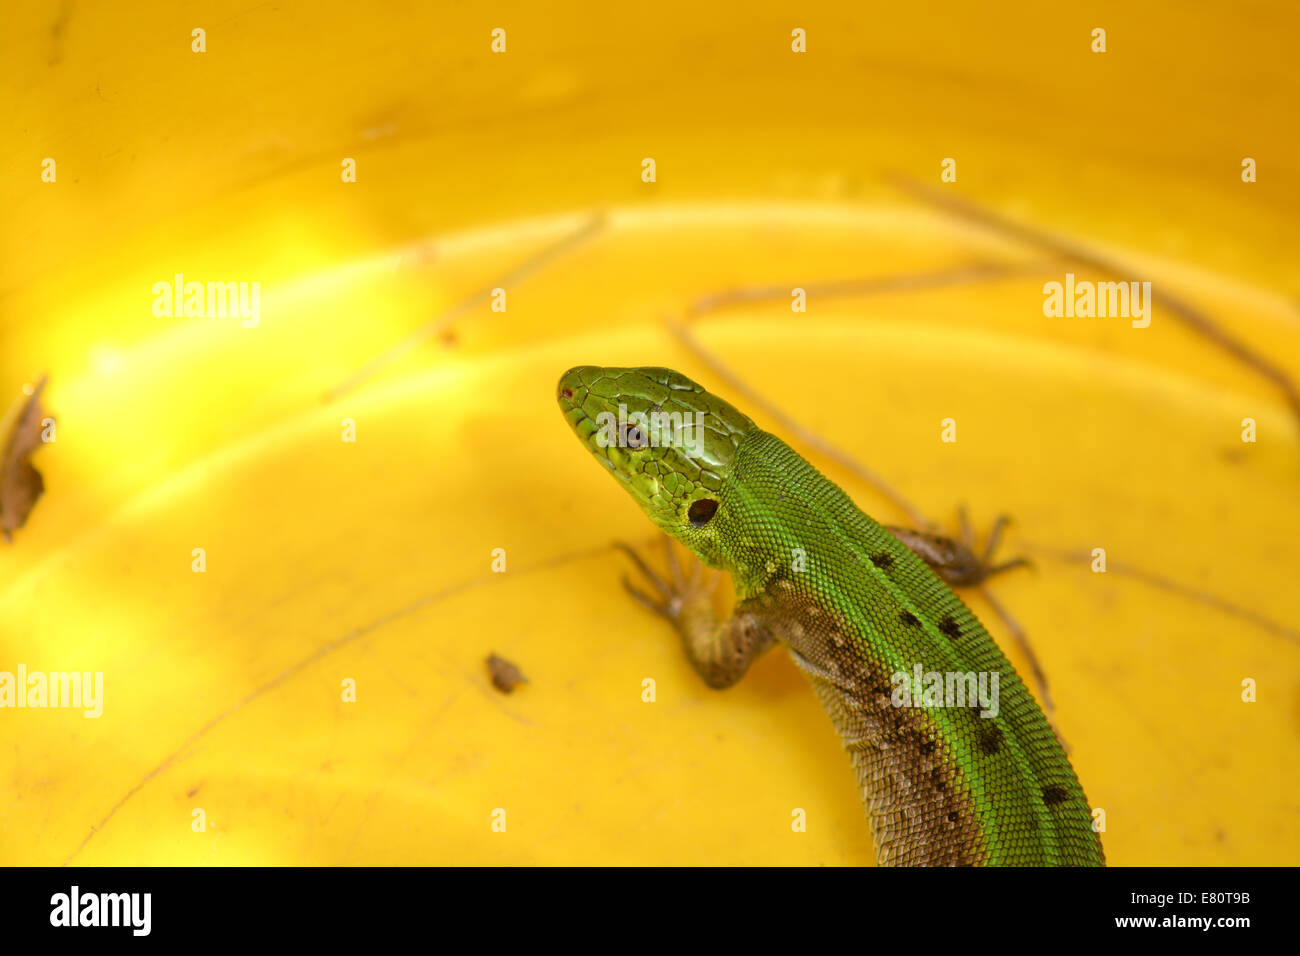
x=660 y=584
x=657 y=606
x=956 y=560
x=676 y=593
x=991 y=547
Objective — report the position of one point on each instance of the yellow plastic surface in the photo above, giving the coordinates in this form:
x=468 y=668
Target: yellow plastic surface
x=330 y=561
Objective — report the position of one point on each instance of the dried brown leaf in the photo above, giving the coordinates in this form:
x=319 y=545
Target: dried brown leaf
x=506 y=676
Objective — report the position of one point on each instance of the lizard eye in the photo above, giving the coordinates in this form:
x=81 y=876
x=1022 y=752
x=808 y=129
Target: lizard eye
x=634 y=436
x=701 y=511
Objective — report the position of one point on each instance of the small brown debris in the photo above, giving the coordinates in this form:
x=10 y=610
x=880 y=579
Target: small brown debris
x=506 y=675
x=21 y=485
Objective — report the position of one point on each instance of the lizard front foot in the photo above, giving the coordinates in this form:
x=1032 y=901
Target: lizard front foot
x=719 y=650
x=956 y=560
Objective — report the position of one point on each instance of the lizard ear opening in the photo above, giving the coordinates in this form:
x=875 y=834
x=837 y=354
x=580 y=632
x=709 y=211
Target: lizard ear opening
x=701 y=511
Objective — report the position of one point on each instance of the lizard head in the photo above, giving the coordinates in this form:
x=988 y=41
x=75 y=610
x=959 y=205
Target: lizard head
x=667 y=440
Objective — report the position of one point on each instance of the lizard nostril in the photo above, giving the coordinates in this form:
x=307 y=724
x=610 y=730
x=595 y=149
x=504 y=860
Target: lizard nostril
x=567 y=392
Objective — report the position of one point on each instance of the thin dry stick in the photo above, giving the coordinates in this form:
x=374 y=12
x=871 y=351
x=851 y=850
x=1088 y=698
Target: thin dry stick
x=848 y=288
x=1168 y=584
x=443 y=320
x=1194 y=319
x=806 y=436
x=874 y=285
x=324 y=650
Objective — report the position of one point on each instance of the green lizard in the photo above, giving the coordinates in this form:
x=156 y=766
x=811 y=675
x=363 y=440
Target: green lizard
x=860 y=613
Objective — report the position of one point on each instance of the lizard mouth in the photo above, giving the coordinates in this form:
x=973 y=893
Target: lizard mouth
x=572 y=393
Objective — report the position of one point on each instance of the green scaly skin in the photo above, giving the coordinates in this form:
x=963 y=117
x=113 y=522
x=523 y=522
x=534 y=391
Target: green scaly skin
x=941 y=785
